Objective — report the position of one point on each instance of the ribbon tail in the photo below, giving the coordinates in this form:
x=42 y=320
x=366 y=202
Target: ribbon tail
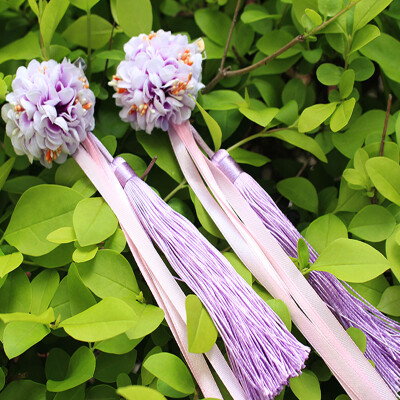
x=239 y=223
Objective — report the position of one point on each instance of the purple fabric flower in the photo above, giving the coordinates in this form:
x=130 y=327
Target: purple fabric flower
x=49 y=111
x=155 y=82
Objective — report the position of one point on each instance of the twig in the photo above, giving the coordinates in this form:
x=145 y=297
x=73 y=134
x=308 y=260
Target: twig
x=225 y=73
x=149 y=167
x=238 y=56
x=238 y=4
x=389 y=106
x=374 y=199
x=109 y=48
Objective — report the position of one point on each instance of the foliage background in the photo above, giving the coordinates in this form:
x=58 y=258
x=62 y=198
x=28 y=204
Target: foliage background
x=308 y=125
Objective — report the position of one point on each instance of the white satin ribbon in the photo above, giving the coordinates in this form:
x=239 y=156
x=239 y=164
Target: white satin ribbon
x=263 y=256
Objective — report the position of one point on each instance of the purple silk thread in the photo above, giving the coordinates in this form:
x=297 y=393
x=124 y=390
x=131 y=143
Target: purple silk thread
x=262 y=352
x=383 y=334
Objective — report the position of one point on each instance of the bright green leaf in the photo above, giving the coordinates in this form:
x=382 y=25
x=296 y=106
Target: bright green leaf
x=52 y=15
x=139 y=393
x=373 y=223
x=201 y=330
x=314 y=116
x=44 y=286
x=213 y=127
x=62 y=235
x=10 y=262
x=94 y=221
x=108 y=318
x=306 y=386
x=351 y=260
x=300 y=191
x=171 y=370
x=390 y=301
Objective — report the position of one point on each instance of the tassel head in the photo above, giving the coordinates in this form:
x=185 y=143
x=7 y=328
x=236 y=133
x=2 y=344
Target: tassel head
x=49 y=111
x=157 y=81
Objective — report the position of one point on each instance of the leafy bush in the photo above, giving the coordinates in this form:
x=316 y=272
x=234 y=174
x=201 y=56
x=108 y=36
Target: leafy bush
x=305 y=95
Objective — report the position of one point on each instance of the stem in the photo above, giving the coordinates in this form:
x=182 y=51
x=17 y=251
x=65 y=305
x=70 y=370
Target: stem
x=238 y=4
x=374 y=199
x=389 y=106
x=149 y=167
x=89 y=44
x=109 y=48
x=252 y=137
x=182 y=185
x=226 y=73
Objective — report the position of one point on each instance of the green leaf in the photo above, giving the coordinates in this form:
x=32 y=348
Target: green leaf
x=329 y=8
x=351 y=261
x=368 y=123
x=243 y=156
x=60 y=301
x=280 y=308
x=84 y=4
x=213 y=127
x=372 y=290
x=109 y=274
x=44 y=287
x=100 y=31
x=363 y=67
x=358 y=337
x=366 y=10
x=94 y=221
x=299 y=140
x=149 y=319
x=16 y=293
x=300 y=191
x=39 y=211
x=314 y=17
x=62 y=235
x=390 y=301
x=109 y=366
x=139 y=393
x=19 y=336
x=171 y=370
x=249 y=16
x=385 y=175
x=385 y=50
x=134 y=16
x=342 y=115
x=306 y=386
x=10 y=262
x=158 y=144
x=23 y=389
x=201 y=330
x=25 y=48
x=355 y=178
x=86 y=253
x=80 y=297
x=80 y=369
x=5 y=170
x=373 y=223
x=52 y=15
x=273 y=41
x=108 y=318
x=214 y=24
x=116 y=242
x=314 y=116
x=324 y=230
x=346 y=83
x=68 y=173
x=261 y=116
x=45 y=318
x=363 y=37
x=221 y=100
x=120 y=344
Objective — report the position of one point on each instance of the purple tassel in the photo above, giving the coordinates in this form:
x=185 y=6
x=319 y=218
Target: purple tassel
x=383 y=334
x=263 y=354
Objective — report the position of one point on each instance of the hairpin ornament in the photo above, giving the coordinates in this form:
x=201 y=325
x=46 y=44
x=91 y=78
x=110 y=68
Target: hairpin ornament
x=154 y=86
x=49 y=115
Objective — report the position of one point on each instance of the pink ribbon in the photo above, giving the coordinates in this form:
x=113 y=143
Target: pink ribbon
x=263 y=256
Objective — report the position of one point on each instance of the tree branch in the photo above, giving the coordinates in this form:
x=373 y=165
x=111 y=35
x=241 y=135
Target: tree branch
x=226 y=73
